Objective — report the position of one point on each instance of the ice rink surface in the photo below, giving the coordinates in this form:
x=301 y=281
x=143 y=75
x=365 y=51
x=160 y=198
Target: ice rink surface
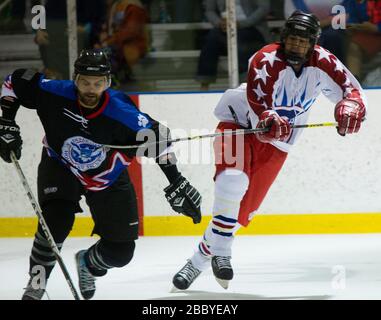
x=290 y=267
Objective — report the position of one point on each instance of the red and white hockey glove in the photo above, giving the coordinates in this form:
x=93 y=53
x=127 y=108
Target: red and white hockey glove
x=279 y=127
x=349 y=114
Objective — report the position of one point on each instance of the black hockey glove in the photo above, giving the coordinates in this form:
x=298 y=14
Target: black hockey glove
x=184 y=199
x=10 y=139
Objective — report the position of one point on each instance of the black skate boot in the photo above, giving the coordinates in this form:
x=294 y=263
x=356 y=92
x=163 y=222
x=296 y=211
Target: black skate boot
x=86 y=280
x=33 y=291
x=222 y=270
x=185 y=277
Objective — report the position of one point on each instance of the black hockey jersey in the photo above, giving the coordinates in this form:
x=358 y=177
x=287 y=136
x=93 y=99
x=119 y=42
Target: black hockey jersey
x=77 y=139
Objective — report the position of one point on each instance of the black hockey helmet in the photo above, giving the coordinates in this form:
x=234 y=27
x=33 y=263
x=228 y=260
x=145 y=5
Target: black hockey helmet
x=92 y=62
x=304 y=25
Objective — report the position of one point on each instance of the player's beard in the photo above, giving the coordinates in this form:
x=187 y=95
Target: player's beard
x=89 y=100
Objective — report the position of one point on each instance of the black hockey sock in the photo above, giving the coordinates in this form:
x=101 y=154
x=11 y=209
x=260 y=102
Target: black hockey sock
x=105 y=255
x=42 y=259
x=59 y=216
x=94 y=261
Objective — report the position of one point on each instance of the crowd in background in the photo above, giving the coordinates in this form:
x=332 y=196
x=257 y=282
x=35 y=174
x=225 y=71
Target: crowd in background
x=120 y=27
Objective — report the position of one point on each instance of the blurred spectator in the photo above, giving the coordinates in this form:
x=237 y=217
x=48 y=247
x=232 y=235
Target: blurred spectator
x=252 y=34
x=127 y=36
x=91 y=15
x=332 y=39
x=188 y=11
x=276 y=10
x=53 y=42
x=364 y=28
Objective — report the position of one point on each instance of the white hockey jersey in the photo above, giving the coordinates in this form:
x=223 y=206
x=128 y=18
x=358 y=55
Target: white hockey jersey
x=273 y=84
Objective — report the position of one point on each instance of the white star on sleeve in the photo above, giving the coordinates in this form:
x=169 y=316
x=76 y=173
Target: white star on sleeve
x=323 y=54
x=339 y=66
x=261 y=74
x=258 y=91
x=270 y=57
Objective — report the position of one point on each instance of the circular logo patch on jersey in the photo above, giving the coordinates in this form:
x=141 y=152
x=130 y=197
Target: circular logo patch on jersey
x=83 y=153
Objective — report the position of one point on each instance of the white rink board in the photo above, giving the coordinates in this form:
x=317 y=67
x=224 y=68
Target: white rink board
x=324 y=173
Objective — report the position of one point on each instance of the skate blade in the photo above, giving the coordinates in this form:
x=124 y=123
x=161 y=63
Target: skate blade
x=175 y=290
x=223 y=283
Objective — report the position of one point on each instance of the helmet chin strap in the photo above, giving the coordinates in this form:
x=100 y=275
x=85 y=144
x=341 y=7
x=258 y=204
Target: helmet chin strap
x=295 y=60
x=75 y=78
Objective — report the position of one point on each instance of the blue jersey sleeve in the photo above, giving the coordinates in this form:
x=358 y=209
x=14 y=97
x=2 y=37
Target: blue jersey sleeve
x=62 y=88
x=122 y=109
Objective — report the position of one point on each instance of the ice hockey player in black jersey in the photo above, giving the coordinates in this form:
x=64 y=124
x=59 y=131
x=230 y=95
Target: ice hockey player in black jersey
x=80 y=117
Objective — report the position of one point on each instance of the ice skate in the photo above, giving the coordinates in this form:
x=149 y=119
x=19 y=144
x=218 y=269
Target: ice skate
x=222 y=270
x=33 y=292
x=185 y=277
x=86 y=280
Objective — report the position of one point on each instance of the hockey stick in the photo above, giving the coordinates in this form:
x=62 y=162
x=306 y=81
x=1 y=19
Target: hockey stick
x=224 y=133
x=44 y=226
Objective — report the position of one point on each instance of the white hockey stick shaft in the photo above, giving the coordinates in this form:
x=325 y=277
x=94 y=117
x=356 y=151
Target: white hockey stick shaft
x=224 y=133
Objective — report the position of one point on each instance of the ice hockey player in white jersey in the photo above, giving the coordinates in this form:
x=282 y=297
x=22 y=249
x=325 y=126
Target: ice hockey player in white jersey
x=284 y=80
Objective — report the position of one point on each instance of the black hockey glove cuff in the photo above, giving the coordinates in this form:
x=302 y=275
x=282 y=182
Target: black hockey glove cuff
x=10 y=140
x=167 y=164
x=9 y=106
x=184 y=199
